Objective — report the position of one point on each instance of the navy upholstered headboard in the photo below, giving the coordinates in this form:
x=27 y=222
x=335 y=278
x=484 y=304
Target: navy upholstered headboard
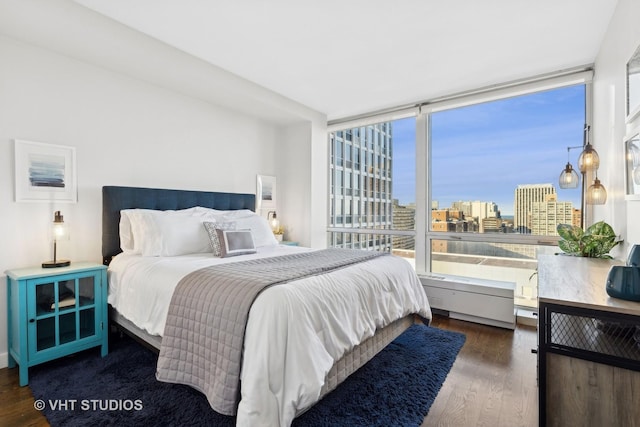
x=114 y=199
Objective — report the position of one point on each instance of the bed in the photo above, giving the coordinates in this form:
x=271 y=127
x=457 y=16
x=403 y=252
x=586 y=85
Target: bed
x=290 y=357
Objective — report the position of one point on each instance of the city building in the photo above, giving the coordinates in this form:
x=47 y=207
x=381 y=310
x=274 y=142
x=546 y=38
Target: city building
x=360 y=179
x=545 y=216
x=403 y=218
x=525 y=196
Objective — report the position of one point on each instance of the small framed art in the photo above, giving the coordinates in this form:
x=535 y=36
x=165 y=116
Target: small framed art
x=45 y=172
x=632 y=164
x=266 y=193
x=633 y=87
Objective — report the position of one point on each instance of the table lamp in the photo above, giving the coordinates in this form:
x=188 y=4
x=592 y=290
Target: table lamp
x=59 y=231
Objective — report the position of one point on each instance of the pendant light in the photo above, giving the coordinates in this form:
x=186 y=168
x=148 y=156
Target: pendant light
x=596 y=194
x=589 y=159
x=587 y=162
x=569 y=177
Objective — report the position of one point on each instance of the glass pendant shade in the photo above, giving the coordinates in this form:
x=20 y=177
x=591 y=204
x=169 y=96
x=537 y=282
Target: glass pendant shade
x=596 y=194
x=589 y=159
x=569 y=177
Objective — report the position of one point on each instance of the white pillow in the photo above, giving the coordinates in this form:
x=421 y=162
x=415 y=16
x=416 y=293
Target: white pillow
x=201 y=210
x=260 y=229
x=126 y=234
x=128 y=216
x=166 y=233
x=239 y=213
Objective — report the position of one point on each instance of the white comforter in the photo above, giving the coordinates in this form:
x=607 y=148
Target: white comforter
x=295 y=331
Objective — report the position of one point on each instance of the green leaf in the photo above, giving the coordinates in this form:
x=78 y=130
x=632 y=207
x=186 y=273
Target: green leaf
x=595 y=242
x=569 y=247
x=601 y=229
x=570 y=232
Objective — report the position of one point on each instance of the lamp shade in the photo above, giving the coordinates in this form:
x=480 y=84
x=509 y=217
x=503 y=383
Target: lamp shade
x=589 y=159
x=569 y=177
x=274 y=222
x=59 y=231
x=596 y=193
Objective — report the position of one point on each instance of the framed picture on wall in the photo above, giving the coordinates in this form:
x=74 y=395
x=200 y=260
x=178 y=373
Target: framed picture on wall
x=266 y=193
x=633 y=86
x=632 y=164
x=45 y=172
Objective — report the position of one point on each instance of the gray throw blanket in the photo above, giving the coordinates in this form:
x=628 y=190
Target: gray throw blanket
x=204 y=333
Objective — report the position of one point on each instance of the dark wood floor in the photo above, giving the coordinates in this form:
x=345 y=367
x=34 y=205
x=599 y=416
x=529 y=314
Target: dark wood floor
x=492 y=383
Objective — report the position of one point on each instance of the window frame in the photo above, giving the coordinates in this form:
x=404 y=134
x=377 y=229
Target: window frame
x=423 y=186
x=422 y=112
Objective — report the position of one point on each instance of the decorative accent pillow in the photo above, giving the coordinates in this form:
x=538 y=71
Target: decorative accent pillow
x=235 y=242
x=214 y=241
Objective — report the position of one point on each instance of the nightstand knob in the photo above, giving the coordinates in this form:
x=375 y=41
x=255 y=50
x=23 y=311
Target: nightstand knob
x=32 y=320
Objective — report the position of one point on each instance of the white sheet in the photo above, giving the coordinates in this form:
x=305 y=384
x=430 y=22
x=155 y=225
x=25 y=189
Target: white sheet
x=295 y=331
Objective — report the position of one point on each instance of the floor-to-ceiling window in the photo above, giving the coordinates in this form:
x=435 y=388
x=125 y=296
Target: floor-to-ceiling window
x=494 y=185
x=466 y=186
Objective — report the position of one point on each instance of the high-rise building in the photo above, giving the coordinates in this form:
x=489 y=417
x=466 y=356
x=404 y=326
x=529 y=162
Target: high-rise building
x=545 y=216
x=404 y=218
x=361 y=166
x=525 y=196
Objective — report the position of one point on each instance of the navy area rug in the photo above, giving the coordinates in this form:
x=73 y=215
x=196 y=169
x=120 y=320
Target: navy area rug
x=396 y=388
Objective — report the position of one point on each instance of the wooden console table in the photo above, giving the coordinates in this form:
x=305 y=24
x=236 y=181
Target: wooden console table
x=588 y=358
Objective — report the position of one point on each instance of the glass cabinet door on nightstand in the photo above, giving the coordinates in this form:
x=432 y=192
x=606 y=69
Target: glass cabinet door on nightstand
x=62 y=310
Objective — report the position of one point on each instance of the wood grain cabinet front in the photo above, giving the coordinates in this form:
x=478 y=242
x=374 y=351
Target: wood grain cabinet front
x=589 y=346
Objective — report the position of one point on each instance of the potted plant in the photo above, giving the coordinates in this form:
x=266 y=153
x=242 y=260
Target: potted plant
x=278 y=231
x=594 y=242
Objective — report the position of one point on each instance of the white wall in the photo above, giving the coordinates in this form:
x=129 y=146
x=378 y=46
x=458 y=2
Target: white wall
x=303 y=178
x=609 y=128
x=126 y=132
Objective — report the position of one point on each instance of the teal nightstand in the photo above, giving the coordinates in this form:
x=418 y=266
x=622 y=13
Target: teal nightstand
x=54 y=312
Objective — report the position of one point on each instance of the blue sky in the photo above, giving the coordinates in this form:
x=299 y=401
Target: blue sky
x=483 y=152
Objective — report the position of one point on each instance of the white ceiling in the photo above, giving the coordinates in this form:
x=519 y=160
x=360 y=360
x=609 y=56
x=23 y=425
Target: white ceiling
x=347 y=57
x=338 y=57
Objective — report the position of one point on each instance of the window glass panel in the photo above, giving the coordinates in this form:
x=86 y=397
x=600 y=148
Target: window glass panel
x=338 y=152
x=494 y=172
x=495 y=166
x=378 y=187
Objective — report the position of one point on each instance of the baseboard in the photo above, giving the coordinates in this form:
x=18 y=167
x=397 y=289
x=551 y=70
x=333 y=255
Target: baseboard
x=483 y=320
x=4 y=360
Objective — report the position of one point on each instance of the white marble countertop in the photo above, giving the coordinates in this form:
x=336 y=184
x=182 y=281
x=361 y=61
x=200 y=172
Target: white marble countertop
x=579 y=282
